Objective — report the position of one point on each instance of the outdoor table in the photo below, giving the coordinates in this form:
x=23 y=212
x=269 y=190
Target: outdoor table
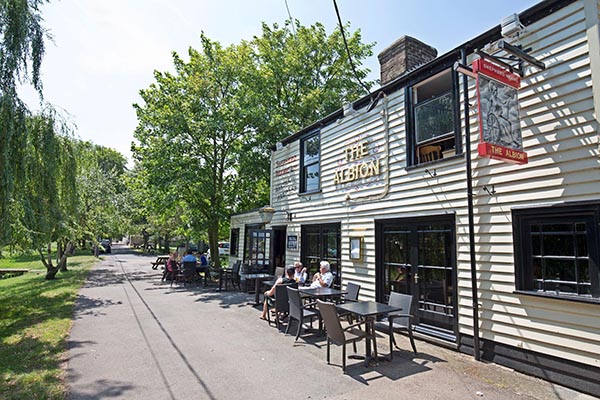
x=369 y=310
x=257 y=278
x=321 y=292
x=160 y=260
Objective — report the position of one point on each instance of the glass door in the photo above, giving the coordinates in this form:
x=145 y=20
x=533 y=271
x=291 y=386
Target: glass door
x=260 y=250
x=417 y=257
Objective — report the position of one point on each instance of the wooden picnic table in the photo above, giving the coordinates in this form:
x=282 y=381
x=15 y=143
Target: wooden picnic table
x=160 y=260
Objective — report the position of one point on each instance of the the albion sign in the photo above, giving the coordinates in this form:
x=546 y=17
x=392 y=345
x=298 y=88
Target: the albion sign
x=498 y=104
x=362 y=169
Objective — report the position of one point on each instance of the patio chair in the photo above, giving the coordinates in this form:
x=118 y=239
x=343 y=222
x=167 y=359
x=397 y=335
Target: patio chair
x=299 y=311
x=233 y=275
x=280 y=302
x=189 y=272
x=279 y=271
x=337 y=334
x=397 y=322
x=178 y=275
x=351 y=296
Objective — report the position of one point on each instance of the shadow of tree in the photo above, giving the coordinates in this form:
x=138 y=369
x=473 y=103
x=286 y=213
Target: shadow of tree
x=102 y=388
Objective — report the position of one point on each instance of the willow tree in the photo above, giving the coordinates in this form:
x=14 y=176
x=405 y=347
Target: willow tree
x=47 y=203
x=21 y=53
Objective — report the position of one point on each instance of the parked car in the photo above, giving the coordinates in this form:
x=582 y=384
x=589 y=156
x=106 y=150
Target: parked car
x=223 y=248
x=105 y=244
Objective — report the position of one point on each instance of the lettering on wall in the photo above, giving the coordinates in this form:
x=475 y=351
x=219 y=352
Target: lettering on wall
x=359 y=162
x=283 y=167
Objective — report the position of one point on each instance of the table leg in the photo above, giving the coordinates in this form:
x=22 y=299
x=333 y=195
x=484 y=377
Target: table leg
x=256 y=288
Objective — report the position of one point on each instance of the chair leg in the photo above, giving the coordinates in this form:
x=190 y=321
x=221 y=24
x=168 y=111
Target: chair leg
x=299 y=329
x=344 y=357
x=354 y=346
x=391 y=333
x=288 y=325
x=412 y=341
x=328 y=350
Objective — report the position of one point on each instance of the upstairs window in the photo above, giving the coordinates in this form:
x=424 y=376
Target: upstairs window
x=310 y=157
x=434 y=133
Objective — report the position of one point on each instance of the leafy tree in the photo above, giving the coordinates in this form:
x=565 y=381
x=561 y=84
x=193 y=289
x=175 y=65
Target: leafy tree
x=21 y=52
x=206 y=131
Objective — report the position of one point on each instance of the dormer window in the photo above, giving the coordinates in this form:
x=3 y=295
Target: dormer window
x=310 y=170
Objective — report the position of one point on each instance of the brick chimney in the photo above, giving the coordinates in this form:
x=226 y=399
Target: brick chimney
x=403 y=55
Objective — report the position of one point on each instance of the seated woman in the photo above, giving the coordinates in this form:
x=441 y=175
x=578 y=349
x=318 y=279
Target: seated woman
x=288 y=278
x=299 y=272
x=172 y=266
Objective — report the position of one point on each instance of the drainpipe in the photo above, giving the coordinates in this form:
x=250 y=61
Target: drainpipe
x=470 y=210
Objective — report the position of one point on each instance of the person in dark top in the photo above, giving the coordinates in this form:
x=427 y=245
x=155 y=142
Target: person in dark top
x=288 y=278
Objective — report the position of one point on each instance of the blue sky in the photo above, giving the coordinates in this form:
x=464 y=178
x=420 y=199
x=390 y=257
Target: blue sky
x=105 y=51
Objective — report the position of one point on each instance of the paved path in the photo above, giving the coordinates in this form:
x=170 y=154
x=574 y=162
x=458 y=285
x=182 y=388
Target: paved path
x=134 y=337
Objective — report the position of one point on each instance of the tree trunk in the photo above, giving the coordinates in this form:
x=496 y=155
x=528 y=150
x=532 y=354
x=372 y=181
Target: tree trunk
x=61 y=256
x=51 y=270
x=213 y=242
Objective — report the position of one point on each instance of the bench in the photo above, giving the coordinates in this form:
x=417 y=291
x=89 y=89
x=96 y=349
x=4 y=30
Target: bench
x=13 y=271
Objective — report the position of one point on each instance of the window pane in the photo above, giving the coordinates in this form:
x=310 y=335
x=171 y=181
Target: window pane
x=311 y=150
x=582 y=249
x=558 y=245
x=434 y=118
x=536 y=244
x=560 y=270
x=311 y=174
x=557 y=227
x=583 y=273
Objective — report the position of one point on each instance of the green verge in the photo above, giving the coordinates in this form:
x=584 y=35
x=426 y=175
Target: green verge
x=35 y=319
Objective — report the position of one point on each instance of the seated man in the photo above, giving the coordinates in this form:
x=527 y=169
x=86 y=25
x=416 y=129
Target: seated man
x=324 y=278
x=288 y=278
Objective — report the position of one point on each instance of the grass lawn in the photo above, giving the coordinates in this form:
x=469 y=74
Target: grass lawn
x=35 y=318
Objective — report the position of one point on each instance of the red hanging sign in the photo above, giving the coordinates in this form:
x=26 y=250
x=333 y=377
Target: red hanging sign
x=498 y=106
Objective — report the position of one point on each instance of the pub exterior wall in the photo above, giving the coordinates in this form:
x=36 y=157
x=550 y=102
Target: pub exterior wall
x=560 y=135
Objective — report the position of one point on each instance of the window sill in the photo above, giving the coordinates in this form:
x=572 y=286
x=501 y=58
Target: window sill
x=425 y=164
x=309 y=193
x=578 y=299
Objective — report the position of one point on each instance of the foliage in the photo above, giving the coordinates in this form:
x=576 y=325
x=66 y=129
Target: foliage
x=21 y=47
x=205 y=133
x=36 y=318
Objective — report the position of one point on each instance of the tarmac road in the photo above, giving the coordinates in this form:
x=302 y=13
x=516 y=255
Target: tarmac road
x=134 y=337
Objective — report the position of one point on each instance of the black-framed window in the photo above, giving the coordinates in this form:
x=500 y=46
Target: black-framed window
x=557 y=251
x=433 y=131
x=321 y=243
x=247 y=229
x=310 y=168
x=234 y=239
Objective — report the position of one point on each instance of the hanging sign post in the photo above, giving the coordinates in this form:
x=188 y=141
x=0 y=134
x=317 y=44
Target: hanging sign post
x=498 y=105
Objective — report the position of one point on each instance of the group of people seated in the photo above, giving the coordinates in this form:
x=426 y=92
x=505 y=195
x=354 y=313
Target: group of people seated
x=173 y=263
x=297 y=273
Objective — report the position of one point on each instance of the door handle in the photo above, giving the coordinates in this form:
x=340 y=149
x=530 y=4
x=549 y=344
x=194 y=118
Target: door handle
x=416 y=278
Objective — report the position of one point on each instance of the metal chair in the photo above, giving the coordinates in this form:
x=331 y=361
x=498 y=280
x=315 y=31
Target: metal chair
x=397 y=322
x=337 y=334
x=233 y=275
x=280 y=302
x=189 y=272
x=352 y=289
x=299 y=311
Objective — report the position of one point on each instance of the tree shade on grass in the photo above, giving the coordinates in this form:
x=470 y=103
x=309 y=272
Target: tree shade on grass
x=35 y=319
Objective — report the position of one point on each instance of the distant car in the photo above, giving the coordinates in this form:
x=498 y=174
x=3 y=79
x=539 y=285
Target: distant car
x=223 y=248
x=106 y=244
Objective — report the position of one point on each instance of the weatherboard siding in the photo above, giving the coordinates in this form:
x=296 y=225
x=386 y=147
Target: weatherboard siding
x=560 y=136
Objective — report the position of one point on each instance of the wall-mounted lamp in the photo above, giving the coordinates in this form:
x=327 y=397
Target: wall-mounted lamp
x=491 y=192
x=266 y=214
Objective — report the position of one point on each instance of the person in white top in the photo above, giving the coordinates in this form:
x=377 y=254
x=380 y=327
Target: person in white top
x=299 y=272
x=324 y=278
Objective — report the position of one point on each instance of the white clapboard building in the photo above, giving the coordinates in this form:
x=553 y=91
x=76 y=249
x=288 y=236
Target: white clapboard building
x=469 y=180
